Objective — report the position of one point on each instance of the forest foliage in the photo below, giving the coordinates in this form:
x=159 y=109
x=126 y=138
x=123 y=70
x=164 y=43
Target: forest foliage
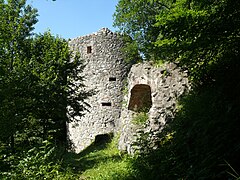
x=36 y=88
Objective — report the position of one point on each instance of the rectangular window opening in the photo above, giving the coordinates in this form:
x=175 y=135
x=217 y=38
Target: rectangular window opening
x=89 y=49
x=106 y=104
x=112 y=79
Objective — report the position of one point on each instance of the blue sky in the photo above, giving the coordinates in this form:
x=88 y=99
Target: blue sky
x=73 y=18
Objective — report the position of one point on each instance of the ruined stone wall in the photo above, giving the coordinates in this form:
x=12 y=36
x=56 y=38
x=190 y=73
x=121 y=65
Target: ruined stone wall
x=104 y=73
x=151 y=89
x=165 y=84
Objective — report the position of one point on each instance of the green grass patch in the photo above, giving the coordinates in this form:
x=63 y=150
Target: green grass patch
x=101 y=162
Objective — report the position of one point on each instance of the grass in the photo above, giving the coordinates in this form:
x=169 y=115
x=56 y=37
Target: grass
x=140 y=118
x=102 y=161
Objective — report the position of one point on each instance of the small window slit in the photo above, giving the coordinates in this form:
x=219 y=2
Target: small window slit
x=106 y=104
x=112 y=79
x=89 y=49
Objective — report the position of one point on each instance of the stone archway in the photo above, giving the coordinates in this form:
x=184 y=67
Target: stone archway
x=140 y=99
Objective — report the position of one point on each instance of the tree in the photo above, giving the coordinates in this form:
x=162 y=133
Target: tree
x=36 y=79
x=37 y=75
x=195 y=34
x=53 y=70
x=17 y=22
x=200 y=35
x=136 y=18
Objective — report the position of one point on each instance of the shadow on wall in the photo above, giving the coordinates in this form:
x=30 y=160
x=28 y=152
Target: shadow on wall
x=140 y=99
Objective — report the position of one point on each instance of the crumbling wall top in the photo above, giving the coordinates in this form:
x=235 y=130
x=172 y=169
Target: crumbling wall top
x=103 y=31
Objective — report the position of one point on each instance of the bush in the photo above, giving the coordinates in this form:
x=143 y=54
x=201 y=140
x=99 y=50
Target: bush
x=36 y=163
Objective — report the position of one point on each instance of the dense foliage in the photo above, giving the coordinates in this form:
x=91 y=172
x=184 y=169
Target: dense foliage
x=202 y=37
x=196 y=34
x=36 y=75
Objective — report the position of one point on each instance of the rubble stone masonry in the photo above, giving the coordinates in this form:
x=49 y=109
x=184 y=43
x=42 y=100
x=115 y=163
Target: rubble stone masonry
x=121 y=94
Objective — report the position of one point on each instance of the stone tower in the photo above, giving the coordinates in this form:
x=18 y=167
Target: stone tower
x=104 y=73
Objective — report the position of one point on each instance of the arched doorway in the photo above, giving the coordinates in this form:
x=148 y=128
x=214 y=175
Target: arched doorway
x=140 y=99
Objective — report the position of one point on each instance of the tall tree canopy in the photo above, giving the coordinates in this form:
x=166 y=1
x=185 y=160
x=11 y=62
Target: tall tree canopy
x=196 y=34
x=137 y=19
x=36 y=74
x=17 y=22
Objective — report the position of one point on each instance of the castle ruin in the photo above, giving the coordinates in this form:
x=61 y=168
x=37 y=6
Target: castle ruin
x=151 y=89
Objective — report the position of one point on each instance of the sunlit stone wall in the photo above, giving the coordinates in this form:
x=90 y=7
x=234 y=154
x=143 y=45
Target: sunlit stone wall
x=104 y=73
x=155 y=91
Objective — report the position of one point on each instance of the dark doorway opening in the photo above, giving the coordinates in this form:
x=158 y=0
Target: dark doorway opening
x=103 y=139
x=140 y=99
